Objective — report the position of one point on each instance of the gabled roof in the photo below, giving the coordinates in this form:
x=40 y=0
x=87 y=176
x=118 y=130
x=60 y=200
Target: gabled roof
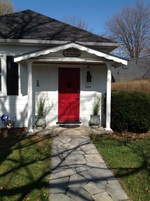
x=32 y=25
x=35 y=54
x=136 y=68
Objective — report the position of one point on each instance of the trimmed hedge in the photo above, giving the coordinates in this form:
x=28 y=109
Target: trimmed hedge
x=130 y=111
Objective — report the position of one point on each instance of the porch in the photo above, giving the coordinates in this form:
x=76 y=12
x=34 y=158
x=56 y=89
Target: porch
x=99 y=62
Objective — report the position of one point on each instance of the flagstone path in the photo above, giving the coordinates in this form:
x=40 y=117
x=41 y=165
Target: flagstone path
x=78 y=172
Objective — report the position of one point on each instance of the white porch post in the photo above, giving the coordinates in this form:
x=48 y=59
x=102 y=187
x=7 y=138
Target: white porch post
x=108 y=98
x=30 y=95
x=4 y=73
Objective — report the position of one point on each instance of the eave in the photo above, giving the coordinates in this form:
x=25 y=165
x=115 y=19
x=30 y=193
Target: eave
x=108 y=46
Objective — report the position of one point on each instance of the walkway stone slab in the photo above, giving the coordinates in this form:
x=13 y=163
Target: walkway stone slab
x=89 y=149
x=70 y=147
x=95 y=174
x=79 y=194
x=102 y=197
x=60 y=197
x=75 y=159
x=96 y=165
x=115 y=190
x=64 y=139
x=58 y=163
x=82 y=168
x=59 y=185
x=77 y=181
x=93 y=188
x=62 y=173
x=91 y=158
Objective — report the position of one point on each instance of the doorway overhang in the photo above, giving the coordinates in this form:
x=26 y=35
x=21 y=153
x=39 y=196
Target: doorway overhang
x=36 y=54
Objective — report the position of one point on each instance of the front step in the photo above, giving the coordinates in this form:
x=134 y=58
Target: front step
x=69 y=124
x=75 y=130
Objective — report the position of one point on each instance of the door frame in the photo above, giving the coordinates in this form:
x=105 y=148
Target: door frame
x=69 y=67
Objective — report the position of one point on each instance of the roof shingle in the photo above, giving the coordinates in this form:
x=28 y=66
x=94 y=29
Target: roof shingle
x=32 y=25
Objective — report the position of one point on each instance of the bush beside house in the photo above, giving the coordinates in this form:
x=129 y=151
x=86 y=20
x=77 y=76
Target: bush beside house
x=130 y=111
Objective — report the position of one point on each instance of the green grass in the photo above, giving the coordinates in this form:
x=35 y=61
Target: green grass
x=24 y=168
x=130 y=162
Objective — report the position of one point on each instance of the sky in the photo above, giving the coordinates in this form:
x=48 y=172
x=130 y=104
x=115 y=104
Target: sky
x=93 y=12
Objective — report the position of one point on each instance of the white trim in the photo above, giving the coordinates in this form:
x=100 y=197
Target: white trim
x=32 y=41
x=3 y=75
x=57 y=42
x=101 y=44
x=67 y=59
x=108 y=97
x=30 y=95
x=70 y=45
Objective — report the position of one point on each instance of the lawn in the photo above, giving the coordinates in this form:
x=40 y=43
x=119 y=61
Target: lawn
x=129 y=159
x=24 y=167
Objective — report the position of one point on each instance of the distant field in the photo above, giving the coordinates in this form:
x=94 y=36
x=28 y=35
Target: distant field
x=139 y=85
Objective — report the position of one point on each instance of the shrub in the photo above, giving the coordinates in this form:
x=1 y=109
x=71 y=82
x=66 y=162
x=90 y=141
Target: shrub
x=130 y=111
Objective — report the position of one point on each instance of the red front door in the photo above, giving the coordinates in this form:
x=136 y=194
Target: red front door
x=69 y=92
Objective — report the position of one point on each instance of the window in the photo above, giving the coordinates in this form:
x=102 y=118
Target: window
x=12 y=76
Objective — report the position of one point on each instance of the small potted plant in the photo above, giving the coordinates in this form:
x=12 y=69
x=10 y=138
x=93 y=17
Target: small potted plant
x=95 y=117
x=41 y=113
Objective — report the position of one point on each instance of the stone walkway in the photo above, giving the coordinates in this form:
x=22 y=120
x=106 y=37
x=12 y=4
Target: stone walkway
x=78 y=172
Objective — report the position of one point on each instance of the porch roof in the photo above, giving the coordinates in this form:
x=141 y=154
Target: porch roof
x=38 y=53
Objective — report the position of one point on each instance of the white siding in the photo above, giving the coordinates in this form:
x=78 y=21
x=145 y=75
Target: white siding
x=90 y=90
x=16 y=108
x=47 y=75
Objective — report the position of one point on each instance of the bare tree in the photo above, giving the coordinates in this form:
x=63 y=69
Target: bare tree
x=131 y=28
x=77 y=22
x=6 y=7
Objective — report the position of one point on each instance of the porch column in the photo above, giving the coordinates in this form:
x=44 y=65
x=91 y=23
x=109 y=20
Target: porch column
x=108 y=98
x=4 y=75
x=30 y=95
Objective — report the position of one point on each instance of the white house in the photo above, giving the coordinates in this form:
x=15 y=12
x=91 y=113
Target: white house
x=40 y=56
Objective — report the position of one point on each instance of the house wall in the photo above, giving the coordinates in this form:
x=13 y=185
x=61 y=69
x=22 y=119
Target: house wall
x=90 y=90
x=47 y=77
x=16 y=108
